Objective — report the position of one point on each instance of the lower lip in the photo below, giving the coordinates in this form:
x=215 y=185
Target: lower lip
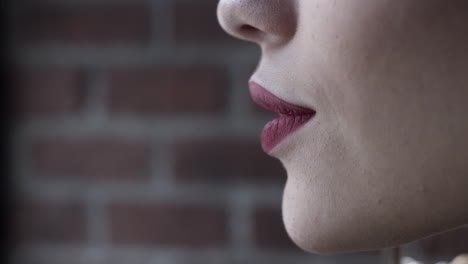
x=279 y=128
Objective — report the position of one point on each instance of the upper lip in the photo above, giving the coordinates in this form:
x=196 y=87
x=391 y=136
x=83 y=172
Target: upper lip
x=269 y=101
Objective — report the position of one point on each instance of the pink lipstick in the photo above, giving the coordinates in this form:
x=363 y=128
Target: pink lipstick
x=291 y=117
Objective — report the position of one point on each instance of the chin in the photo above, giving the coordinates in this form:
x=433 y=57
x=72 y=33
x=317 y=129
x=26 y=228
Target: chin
x=321 y=218
x=305 y=228
x=314 y=234
x=320 y=221
x=306 y=224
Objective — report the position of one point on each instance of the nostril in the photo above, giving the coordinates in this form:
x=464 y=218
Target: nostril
x=248 y=28
x=250 y=32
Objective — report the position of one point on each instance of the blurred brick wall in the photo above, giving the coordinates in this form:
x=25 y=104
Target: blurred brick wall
x=135 y=140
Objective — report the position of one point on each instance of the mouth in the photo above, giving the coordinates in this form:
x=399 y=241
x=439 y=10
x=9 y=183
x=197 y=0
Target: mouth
x=291 y=117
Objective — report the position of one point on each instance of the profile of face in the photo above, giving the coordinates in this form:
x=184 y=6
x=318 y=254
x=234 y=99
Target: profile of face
x=384 y=160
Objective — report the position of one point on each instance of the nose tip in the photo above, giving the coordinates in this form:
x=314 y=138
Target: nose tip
x=261 y=21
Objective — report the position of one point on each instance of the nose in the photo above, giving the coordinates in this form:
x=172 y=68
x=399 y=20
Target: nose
x=266 y=22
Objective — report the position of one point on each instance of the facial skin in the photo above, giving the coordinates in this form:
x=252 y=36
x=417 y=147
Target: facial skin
x=385 y=160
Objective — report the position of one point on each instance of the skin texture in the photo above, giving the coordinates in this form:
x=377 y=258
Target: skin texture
x=385 y=160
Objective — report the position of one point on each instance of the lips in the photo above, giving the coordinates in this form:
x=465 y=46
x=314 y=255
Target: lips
x=291 y=117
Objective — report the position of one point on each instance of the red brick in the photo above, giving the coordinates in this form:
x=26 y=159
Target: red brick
x=269 y=229
x=168 y=90
x=167 y=225
x=87 y=24
x=53 y=260
x=448 y=244
x=47 y=90
x=196 y=21
x=99 y=159
x=49 y=222
x=219 y=160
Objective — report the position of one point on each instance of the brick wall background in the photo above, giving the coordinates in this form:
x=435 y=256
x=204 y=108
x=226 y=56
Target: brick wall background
x=135 y=141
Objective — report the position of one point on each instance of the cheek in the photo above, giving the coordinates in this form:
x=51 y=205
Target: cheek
x=378 y=74
x=390 y=114
x=395 y=79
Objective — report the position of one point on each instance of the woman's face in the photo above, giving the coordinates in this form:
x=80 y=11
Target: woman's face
x=384 y=161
